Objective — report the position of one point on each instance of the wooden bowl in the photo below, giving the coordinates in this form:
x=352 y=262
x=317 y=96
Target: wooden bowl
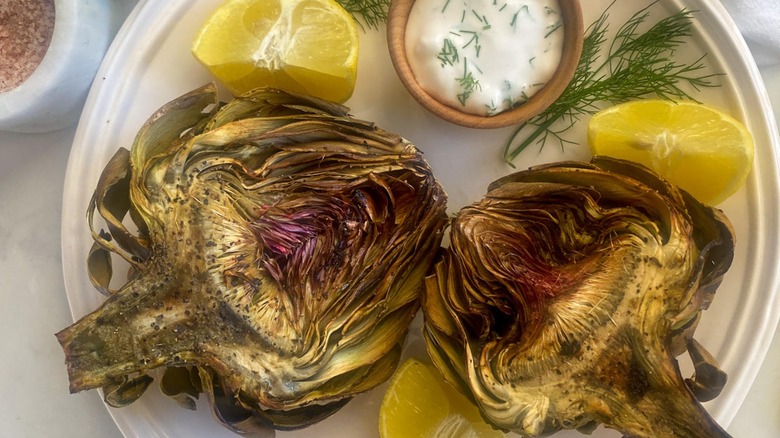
x=571 y=13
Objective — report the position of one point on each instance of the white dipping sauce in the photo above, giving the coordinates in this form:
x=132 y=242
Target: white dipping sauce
x=484 y=56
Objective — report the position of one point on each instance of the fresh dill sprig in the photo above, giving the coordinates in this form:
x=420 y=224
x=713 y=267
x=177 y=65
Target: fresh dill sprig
x=635 y=65
x=371 y=12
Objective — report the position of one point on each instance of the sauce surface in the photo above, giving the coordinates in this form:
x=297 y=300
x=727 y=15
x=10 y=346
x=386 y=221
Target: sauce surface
x=484 y=56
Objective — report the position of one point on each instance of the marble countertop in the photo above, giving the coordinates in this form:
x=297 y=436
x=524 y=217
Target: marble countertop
x=33 y=306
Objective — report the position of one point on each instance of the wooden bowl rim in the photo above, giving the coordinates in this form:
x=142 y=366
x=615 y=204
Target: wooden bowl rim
x=571 y=11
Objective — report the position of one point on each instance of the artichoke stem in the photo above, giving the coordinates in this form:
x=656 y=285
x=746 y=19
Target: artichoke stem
x=658 y=403
x=684 y=418
x=142 y=326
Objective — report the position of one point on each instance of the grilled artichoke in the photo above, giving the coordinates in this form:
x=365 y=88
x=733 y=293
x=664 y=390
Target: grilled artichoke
x=566 y=295
x=279 y=256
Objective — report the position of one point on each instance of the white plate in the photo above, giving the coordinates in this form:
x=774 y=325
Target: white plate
x=150 y=64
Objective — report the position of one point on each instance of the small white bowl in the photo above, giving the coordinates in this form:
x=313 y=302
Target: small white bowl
x=52 y=97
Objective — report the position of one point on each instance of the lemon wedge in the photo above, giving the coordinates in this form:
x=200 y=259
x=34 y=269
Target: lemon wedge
x=419 y=404
x=303 y=46
x=701 y=149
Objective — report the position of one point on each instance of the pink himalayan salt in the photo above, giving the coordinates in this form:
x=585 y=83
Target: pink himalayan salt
x=26 y=27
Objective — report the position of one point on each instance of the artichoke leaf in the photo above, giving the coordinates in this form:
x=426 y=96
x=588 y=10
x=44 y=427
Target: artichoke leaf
x=181 y=384
x=112 y=202
x=287 y=246
x=100 y=268
x=232 y=415
x=126 y=391
x=159 y=134
x=568 y=291
x=708 y=379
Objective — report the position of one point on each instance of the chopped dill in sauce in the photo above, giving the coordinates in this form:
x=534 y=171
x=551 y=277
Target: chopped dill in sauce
x=484 y=57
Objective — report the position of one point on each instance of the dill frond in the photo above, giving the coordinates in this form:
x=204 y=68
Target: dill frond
x=635 y=65
x=372 y=13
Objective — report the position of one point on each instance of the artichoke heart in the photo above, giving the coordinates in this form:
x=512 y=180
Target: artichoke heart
x=277 y=251
x=567 y=294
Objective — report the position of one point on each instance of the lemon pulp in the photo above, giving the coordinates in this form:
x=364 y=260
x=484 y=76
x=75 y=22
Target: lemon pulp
x=419 y=404
x=701 y=149
x=303 y=46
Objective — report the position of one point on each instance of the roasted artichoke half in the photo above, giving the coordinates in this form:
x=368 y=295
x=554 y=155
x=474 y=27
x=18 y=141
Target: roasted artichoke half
x=566 y=295
x=277 y=251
